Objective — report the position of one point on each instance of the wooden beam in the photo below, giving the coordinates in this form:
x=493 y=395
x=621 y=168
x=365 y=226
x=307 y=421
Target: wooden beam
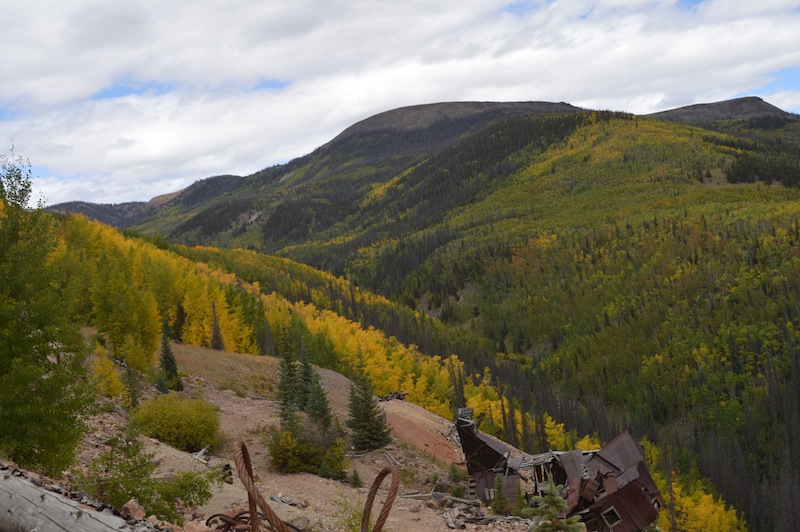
x=25 y=506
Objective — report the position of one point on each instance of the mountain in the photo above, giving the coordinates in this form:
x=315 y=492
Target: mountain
x=736 y=109
x=616 y=271
x=119 y=215
x=228 y=205
x=424 y=116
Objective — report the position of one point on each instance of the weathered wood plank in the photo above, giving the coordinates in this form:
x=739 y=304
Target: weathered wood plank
x=24 y=506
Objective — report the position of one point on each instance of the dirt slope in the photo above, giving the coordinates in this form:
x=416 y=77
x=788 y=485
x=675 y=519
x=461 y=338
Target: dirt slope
x=240 y=387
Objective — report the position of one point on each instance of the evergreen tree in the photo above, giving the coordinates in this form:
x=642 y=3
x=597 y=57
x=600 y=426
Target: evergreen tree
x=366 y=419
x=43 y=391
x=317 y=406
x=161 y=384
x=499 y=502
x=216 y=334
x=458 y=400
x=305 y=379
x=288 y=391
x=168 y=365
x=549 y=506
x=177 y=325
x=133 y=388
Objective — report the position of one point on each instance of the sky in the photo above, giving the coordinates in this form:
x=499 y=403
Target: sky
x=124 y=100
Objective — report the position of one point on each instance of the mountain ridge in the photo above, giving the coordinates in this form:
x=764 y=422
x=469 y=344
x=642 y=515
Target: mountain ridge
x=410 y=118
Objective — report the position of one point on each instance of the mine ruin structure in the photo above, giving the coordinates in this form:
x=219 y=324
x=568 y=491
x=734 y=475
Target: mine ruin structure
x=609 y=488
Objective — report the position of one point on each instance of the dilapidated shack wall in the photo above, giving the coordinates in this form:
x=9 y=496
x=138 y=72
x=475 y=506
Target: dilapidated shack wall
x=610 y=488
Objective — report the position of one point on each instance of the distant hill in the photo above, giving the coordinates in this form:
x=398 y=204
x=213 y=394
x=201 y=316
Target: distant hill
x=420 y=129
x=119 y=215
x=424 y=116
x=737 y=109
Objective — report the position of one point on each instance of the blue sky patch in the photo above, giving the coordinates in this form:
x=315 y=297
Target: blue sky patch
x=523 y=7
x=783 y=80
x=787 y=79
x=123 y=89
x=691 y=5
x=40 y=171
x=270 y=85
x=6 y=113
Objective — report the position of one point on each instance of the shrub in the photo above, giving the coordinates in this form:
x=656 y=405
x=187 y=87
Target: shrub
x=349 y=515
x=320 y=453
x=456 y=474
x=186 y=424
x=288 y=456
x=125 y=472
x=355 y=480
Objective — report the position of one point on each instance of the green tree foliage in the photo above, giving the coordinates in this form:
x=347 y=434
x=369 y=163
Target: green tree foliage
x=550 y=506
x=167 y=363
x=499 y=503
x=289 y=391
x=186 y=424
x=314 y=445
x=123 y=311
x=125 y=472
x=43 y=380
x=355 y=479
x=317 y=406
x=216 y=334
x=369 y=429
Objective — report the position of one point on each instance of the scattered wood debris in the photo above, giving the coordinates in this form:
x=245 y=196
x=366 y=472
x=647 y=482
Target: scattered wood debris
x=393 y=395
x=458 y=512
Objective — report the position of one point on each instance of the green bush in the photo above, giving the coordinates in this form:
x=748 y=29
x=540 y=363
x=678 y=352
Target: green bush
x=288 y=455
x=125 y=472
x=320 y=453
x=355 y=480
x=186 y=424
x=349 y=514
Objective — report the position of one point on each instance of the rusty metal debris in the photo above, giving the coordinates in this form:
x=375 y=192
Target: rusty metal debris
x=609 y=488
x=251 y=520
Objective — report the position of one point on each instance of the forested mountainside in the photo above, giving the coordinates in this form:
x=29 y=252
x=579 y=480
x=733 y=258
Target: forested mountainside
x=615 y=271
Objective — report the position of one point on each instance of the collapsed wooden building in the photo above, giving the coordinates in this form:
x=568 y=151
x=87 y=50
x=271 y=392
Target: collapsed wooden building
x=609 y=488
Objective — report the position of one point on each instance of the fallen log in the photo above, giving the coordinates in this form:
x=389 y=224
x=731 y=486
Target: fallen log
x=25 y=506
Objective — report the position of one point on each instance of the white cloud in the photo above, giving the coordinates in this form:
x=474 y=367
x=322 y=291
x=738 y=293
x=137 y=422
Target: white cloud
x=184 y=73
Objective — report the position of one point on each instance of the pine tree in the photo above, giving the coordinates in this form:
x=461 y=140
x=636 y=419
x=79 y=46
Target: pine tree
x=133 y=388
x=305 y=380
x=168 y=365
x=549 y=506
x=177 y=325
x=366 y=419
x=216 y=334
x=458 y=400
x=499 y=502
x=317 y=406
x=288 y=391
x=161 y=384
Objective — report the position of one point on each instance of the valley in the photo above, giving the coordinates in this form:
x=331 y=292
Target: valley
x=545 y=265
